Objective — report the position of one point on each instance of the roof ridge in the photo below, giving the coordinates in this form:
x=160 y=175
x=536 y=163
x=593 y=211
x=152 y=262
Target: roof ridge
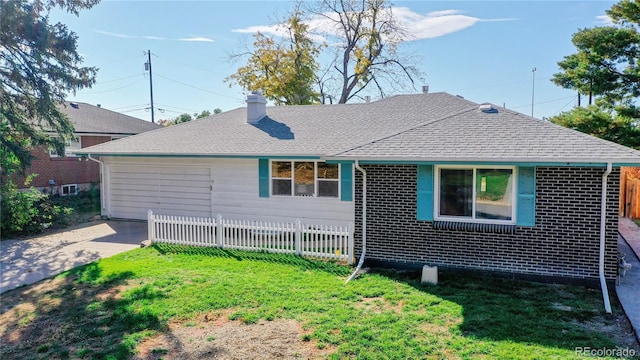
x=430 y=122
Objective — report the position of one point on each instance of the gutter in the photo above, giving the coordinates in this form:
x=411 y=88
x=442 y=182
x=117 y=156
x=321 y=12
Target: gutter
x=603 y=215
x=364 y=221
x=102 y=194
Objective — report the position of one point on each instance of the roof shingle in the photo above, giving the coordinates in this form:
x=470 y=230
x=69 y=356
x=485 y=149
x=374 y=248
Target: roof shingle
x=421 y=127
x=88 y=118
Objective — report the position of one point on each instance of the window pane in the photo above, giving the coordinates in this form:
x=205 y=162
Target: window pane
x=456 y=192
x=327 y=171
x=281 y=187
x=304 y=178
x=281 y=169
x=327 y=188
x=494 y=194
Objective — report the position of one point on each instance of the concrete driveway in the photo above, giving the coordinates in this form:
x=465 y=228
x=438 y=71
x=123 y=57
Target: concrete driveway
x=27 y=261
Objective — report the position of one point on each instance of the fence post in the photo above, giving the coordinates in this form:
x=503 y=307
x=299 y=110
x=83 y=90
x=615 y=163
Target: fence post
x=298 y=237
x=350 y=242
x=150 y=226
x=219 y=230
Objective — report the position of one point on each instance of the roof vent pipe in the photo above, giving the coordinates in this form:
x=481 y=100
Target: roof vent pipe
x=256 y=107
x=425 y=89
x=488 y=108
x=367 y=99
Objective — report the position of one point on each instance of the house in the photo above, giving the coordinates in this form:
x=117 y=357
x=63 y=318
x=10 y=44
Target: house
x=67 y=174
x=427 y=178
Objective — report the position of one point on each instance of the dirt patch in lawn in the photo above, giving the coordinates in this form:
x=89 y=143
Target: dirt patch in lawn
x=215 y=336
x=619 y=330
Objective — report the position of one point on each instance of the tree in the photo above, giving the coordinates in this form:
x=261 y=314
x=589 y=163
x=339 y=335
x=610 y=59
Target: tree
x=365 y=52
x=182 y=118
x=39 y=66
x=283 y=70
x=607 y=61
x=601 y=123
x=368 y=51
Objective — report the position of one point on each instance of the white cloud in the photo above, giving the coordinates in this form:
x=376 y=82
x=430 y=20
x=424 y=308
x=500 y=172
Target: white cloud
x=604 y=20
x=124 y=36
x=197 y=39
x=152 y=37
x=417 y=26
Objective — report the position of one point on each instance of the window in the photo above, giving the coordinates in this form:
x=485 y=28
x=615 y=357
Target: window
x=475 y=194
x=304 y=178
x=69 y=189
x=69 y=151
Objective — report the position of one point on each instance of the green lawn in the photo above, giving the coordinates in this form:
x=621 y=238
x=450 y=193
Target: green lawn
x=103 y=310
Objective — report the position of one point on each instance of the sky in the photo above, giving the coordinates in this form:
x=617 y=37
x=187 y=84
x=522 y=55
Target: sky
x=484 y=51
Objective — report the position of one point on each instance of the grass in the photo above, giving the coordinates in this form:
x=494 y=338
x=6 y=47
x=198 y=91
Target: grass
x=104 y=309
x=637 y=221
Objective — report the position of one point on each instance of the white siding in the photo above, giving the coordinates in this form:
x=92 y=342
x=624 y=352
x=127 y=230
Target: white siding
x=177 y=190
x=133 y=189
x=235 y=196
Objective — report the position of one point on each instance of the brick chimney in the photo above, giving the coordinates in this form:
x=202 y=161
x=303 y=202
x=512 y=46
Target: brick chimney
x=256 y=107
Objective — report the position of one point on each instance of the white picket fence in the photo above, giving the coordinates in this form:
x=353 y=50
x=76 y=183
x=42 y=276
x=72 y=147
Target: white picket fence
x=322 y=241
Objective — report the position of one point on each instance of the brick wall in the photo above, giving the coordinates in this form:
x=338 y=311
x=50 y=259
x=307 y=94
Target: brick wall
x=63 y=170
x=563 y=243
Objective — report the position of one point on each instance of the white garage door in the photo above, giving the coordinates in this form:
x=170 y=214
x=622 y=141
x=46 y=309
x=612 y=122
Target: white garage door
x=136 y=189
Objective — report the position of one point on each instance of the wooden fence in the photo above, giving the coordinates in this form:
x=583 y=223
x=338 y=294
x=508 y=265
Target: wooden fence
x=630 y=193
x=332 y=242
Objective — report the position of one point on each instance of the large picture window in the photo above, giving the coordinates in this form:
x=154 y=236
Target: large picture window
x=304 y=178
x=475 y=194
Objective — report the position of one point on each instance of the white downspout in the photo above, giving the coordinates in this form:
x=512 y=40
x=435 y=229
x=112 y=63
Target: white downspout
x=364 y=221
x=603 y=216
x=102 y=194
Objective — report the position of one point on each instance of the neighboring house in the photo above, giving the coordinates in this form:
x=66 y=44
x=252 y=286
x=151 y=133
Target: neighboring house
x=448 y=182
x=67 y=174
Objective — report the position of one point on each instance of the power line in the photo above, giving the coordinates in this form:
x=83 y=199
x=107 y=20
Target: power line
x=176 y=107
x=133 y=110
x=185 y=64
x=562 y=108
x=543 y=102
x=198 y=88
x=116 y=89
x=126 y=107
x=118 y=79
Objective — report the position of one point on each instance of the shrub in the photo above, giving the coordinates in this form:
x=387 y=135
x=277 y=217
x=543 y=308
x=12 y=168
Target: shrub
x=28 y=211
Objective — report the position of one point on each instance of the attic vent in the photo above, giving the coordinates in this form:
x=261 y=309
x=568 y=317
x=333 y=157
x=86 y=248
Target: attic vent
x=74 y=105
x=488 y=109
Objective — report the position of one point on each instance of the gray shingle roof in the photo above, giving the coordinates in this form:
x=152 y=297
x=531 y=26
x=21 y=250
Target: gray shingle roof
x=88 y=118
x=426 y=127
x=503 y=136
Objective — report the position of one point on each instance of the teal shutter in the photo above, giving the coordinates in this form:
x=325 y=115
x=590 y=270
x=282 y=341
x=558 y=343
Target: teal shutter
x=263 y=177
x=425 y=193
x=526 y=205
x=346 y=182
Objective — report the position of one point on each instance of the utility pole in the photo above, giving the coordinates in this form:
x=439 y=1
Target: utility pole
x=147 y=66
x=533 y=89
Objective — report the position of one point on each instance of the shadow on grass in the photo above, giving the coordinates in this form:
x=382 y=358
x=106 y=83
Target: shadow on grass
x=499 y=309
x=332 y=267
x=82 y=314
